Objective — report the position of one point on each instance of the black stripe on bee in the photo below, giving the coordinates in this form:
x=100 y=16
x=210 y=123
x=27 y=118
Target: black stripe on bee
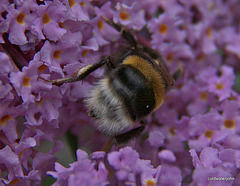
x=133 y=88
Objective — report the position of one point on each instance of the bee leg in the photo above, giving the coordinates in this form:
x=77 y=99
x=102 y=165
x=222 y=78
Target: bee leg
x=153 y=53
x=124 y=33
x=178 y=72
x=108 y=145
x=124 y=138
x=81 y=74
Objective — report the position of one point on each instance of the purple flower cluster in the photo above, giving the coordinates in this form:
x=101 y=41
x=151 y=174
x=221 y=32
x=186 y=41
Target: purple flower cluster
x=193 y=139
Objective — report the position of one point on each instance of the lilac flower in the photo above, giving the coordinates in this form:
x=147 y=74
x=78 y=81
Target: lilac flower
x=181 y=129
x=204 y=61
x=16 y=162
x=231 y=116
x=179 y=51
x=123 y=161
x=105 y=10
x=172 y=7
x=178 y=98
x=6 y=68
x=11 y=161
x=150 y=7
x=42 y=163
x=221 y=86
x=205 y=176
x=19 y=20
x=78 y=9
x=201 y=104
x=170 y=175
x=103 y=32
x=167 y=155
x=8 y=122
x=168 y=130
x=55 y=54
x=229 y=38
x=163 y=28
x=47 y=23
x=156 y=139
x=208 y=44
x=210 y=165
x=3 y=24
x=129 y=16
x=26 y=83
x=204 y=130
x=5 y=92
x=80 y=172
x=234 y=46
x=128 y=166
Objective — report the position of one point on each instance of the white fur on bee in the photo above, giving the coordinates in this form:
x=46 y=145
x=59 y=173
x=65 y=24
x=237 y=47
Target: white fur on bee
x=111 y=117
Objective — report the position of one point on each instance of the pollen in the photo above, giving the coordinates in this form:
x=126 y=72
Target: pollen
x=100 y=24
x=172 y=131
x=84 y=53
x=41 y=68
x=56 y=54
x=208 y=32
x=20 y=18
x=169 y=57
x=219 y=86
x=229 y=124
x=150 y=183
x=71 y=3
x=21 y=153
x=14 y=182
x=208 y=133
x=40 y=102
x=60 y=24
x=4 y=119
x=82 y=4
x=163 y=28
x=45 y=18
x=210 y=6
x=232 y=97
x=124 y=16
x=25 y=81
x=199 y=57
x=203 y=96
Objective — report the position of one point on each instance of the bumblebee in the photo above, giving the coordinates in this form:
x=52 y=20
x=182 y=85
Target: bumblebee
x=134 y=85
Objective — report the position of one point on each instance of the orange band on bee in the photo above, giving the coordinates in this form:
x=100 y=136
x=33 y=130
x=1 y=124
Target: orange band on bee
x=154 y=77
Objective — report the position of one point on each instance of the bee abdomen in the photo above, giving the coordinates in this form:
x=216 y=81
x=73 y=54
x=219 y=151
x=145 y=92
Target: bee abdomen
x=107 y=109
